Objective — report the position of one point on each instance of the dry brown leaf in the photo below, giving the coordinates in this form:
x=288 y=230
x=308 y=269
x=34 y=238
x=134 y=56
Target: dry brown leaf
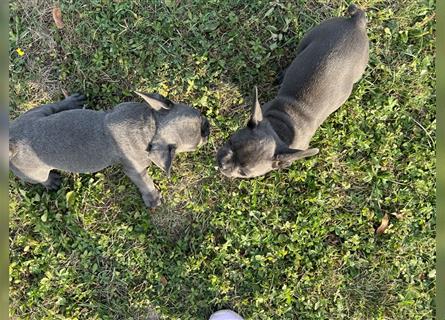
x=383 y=225
x=57 y=16
x=163 y=280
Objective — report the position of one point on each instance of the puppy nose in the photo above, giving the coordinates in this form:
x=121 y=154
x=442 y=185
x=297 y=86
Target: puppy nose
x=205 y=128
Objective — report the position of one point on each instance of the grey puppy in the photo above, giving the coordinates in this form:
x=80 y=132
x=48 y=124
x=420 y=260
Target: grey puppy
x=330 y=59
x=66 y=137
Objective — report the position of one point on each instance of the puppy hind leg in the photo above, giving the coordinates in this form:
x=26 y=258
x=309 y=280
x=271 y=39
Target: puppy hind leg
x=75 y=101
x=150 y=195
x=31 y=175
x=50 y=180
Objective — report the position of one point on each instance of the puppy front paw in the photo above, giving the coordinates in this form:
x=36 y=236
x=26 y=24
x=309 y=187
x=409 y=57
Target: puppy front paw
x=76 y=100
x=152 y=200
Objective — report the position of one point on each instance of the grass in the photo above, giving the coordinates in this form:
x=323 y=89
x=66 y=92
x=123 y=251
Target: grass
x=295 y=244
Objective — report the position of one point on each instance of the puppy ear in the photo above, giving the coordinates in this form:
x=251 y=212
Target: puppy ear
x=257 y=113
x=286 y=157
x=162 y=156
x=156 y=101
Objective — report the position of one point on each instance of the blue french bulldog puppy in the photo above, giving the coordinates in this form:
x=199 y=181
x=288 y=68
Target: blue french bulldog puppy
x=66 y=137
x=330 y=59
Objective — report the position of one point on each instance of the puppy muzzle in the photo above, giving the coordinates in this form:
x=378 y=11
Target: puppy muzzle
x=224 y=164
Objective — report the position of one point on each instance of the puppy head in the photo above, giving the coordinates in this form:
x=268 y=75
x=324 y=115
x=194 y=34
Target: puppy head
x=181 y=128
x=246 y=154
x=253 y=151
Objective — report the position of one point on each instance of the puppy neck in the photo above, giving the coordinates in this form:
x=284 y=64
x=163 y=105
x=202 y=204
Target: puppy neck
x=269 y=128
x=290 y=121
x=172 y=129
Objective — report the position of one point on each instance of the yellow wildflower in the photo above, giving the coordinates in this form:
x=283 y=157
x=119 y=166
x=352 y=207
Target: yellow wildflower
x=20 y=52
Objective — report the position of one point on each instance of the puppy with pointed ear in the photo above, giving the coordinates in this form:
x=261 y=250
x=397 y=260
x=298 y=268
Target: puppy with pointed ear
x=66 y=137
x=256 y=149
x=330 y=59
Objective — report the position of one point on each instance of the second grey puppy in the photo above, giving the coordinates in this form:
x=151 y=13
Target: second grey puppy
x=66 y=137
x=330 y=59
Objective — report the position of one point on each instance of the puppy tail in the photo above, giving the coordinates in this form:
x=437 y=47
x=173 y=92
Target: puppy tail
x=358 y=16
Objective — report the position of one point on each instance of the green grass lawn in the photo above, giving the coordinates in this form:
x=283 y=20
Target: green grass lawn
x=295 y=244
